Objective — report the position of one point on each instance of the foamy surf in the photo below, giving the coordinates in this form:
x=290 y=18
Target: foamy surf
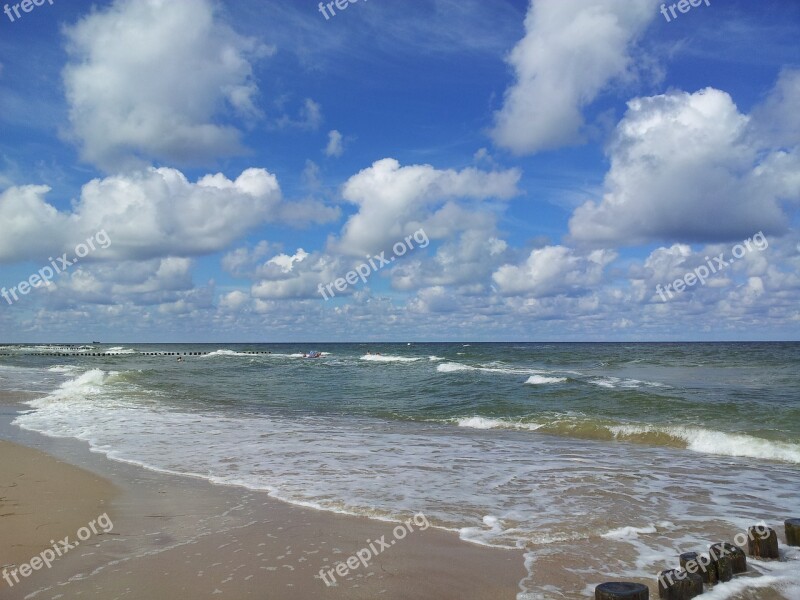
x=455 y=367
x=631 y=533
x=63 y=369
x=89 y=382
x=452 y=367
x=733 y=444
x=696 y=439
x=224 y=352
x=487 y=535
x=120 y=350
x=618 y=382
x=389 y=358
x=779 y=575
x=484 y=423
x=541 y=380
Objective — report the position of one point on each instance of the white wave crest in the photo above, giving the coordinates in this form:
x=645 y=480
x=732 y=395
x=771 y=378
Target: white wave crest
x=63 y=369
x=225 y=353
x=697 y=439
x=632 y=533
x=485 y=423
x=89 y=383
x=616 y=382
x=487 y=535
x=720 y=443
x=389 y=358
x=455 y=367
x=735 y=444
x=120 y=350
x=541 y=380
x=452 y=367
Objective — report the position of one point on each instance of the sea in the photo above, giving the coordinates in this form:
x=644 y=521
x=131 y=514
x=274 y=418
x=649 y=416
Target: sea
x=600 y=461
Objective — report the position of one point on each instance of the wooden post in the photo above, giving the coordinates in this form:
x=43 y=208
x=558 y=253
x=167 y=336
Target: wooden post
x=675 y=584
x=701 y=565
x=724 y=566
x=792 y=532
x=618 y=590
x=762 y=542
x=736 y=554
x=709 y=570
x=688 y=557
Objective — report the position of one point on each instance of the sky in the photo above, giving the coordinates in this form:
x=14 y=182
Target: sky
x=425 y=170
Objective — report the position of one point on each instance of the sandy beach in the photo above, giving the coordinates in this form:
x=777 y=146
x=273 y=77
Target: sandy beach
x=176 y=536
x=42 y=499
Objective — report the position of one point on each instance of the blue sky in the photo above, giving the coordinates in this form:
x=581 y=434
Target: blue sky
x=564 y=159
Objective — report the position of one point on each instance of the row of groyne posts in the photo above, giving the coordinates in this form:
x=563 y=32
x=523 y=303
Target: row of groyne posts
x=721 y=564
x=112 y=354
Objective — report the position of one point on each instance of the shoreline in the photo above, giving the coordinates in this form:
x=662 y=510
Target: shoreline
x=180 y=536
x=189 y=521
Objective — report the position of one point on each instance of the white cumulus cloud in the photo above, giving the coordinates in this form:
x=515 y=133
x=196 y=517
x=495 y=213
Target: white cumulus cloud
x=393 y=201
x=554 y=270
x=572 y=49
x=148 y=214
x=146 y=79
x=691 y=167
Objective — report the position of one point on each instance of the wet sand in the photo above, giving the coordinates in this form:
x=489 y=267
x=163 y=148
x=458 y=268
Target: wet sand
x=44 y=499
x=181 y=537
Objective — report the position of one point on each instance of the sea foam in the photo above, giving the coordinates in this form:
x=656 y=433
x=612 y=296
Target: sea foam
x=389 y=358
x=541 y=380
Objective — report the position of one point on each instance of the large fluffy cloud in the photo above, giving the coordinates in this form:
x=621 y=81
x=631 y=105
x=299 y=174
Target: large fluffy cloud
x=146 y=78
x=393 y=200
x=296 y=276
x=691 y=167
x=554 y=270
x=145 y=282
x=279 y=275
x=570 y=52
x=147 y=214
x=471 y=249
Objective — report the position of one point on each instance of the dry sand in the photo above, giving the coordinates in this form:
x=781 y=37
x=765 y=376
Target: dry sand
x=180 y=537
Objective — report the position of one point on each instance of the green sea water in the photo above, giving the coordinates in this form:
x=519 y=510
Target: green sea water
x=643 y=447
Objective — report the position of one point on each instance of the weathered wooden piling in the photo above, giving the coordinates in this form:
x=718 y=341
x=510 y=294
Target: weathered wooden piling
x=675 y=584
x=701 y=565
x=724 y=566
x=792 y=532
x=688 y=558
x=762 y=542
x=621 y=590
x=736 y=554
